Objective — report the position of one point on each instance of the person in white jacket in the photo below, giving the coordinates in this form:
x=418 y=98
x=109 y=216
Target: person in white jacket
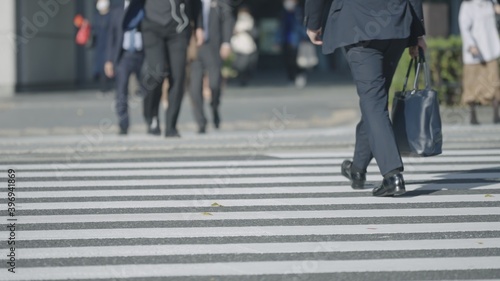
x=481 y=50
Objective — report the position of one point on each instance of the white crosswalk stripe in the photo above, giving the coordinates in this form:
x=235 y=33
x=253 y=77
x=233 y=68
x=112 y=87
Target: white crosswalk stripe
x=289 y=215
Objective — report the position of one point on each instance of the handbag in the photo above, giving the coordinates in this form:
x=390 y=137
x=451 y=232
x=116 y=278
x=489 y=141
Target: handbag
x=243 y=43
x=306 y=55
x=416 y=119
x=84 y=34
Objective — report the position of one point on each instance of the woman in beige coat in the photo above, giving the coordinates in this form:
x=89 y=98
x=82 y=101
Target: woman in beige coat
x=481 y=50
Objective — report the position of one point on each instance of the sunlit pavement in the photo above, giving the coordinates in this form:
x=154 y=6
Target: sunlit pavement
x=261 y=200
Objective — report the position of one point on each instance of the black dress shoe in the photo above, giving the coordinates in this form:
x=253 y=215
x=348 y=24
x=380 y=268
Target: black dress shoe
x=216 y=118
x=172 y=134
x=155 y=132
x=202 y=130
x=392 y=186
x=357 y=179
x=123 y=132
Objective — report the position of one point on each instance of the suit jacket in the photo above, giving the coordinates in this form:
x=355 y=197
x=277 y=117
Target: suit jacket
x=220 y=24
x=352 y=21
x=135 y=12
x=116 y=33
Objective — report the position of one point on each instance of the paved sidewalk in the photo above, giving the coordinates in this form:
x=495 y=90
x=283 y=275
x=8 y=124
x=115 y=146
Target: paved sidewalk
x=322 y=104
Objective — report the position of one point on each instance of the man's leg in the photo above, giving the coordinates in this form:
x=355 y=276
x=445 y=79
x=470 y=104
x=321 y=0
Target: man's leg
x=123 y=71
x=153 y=72
x=367 y=65
x=176 y=51
x=215 y=80
x=362 y=152
x=196 y=93
x=290 y=54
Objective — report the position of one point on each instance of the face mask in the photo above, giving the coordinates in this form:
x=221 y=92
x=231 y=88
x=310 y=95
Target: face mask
x=289 y=5
x=102 y=5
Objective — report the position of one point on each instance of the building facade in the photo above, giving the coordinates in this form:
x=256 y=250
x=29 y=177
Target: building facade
x=38 y=50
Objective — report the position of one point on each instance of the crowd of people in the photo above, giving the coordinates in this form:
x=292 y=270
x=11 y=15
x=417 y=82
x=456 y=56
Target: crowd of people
x=165 y=42
x=179 y=46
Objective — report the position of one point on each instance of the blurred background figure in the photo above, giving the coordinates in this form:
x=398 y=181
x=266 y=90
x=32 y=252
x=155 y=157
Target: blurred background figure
x=100 y=33
x=166 y=31
x=481 y=50
x=292 y=33
x=124 y=56
x=214 y=48
x=244 y=45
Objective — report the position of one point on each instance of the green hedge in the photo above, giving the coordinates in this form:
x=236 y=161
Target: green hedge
x=444 y=58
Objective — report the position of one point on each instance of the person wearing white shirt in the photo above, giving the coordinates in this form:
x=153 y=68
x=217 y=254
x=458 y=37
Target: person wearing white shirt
x=481 y=50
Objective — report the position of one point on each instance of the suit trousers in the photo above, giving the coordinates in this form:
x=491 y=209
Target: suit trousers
x=165 y=49
x=292 y=68
x=128 y=64
x=373 y=64
x=209 y=62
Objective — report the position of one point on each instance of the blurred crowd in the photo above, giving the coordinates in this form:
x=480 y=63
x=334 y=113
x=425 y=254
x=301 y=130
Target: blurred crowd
x=180 y=47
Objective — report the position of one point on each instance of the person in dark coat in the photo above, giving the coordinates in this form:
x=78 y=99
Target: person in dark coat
x=373 y=35
x=217 y=23
x=100 y=28
x=166 y=29
x=124 y=56
x=292 y=32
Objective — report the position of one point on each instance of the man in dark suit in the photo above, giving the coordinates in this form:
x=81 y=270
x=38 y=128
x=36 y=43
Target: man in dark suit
x=166 y=29
x=124 y=56
x=218 y=23
x=373 y=34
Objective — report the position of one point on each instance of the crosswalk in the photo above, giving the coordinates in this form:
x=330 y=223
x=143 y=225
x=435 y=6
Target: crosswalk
x=280 y=216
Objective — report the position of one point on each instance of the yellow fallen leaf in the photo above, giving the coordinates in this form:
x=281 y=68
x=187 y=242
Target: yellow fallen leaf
x=489 y=195
x=207 y=214
x=215 y=204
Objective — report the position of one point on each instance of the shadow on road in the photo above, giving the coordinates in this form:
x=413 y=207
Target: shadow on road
x=457 y=181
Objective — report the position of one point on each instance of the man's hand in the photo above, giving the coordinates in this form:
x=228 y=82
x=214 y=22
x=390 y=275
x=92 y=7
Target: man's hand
x=109 y=69
x=315 y=36
x=225 y=51
x=200 y=37
x=497 y=9
x=421 y=44
x=474 y=51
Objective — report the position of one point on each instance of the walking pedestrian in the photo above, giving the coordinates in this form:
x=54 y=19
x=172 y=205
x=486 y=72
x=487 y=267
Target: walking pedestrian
x=481 y=50
x=100 y=29
x=166 y=29
x=374 y=35
x=244 y=45
x=124 y=56
x=218 y=24
x=291 y=34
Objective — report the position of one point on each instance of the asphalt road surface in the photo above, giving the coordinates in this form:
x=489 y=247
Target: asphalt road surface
x=246 y=205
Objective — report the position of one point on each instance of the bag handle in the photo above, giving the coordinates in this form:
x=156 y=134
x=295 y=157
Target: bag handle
x=407 y=75
x=421 y=63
